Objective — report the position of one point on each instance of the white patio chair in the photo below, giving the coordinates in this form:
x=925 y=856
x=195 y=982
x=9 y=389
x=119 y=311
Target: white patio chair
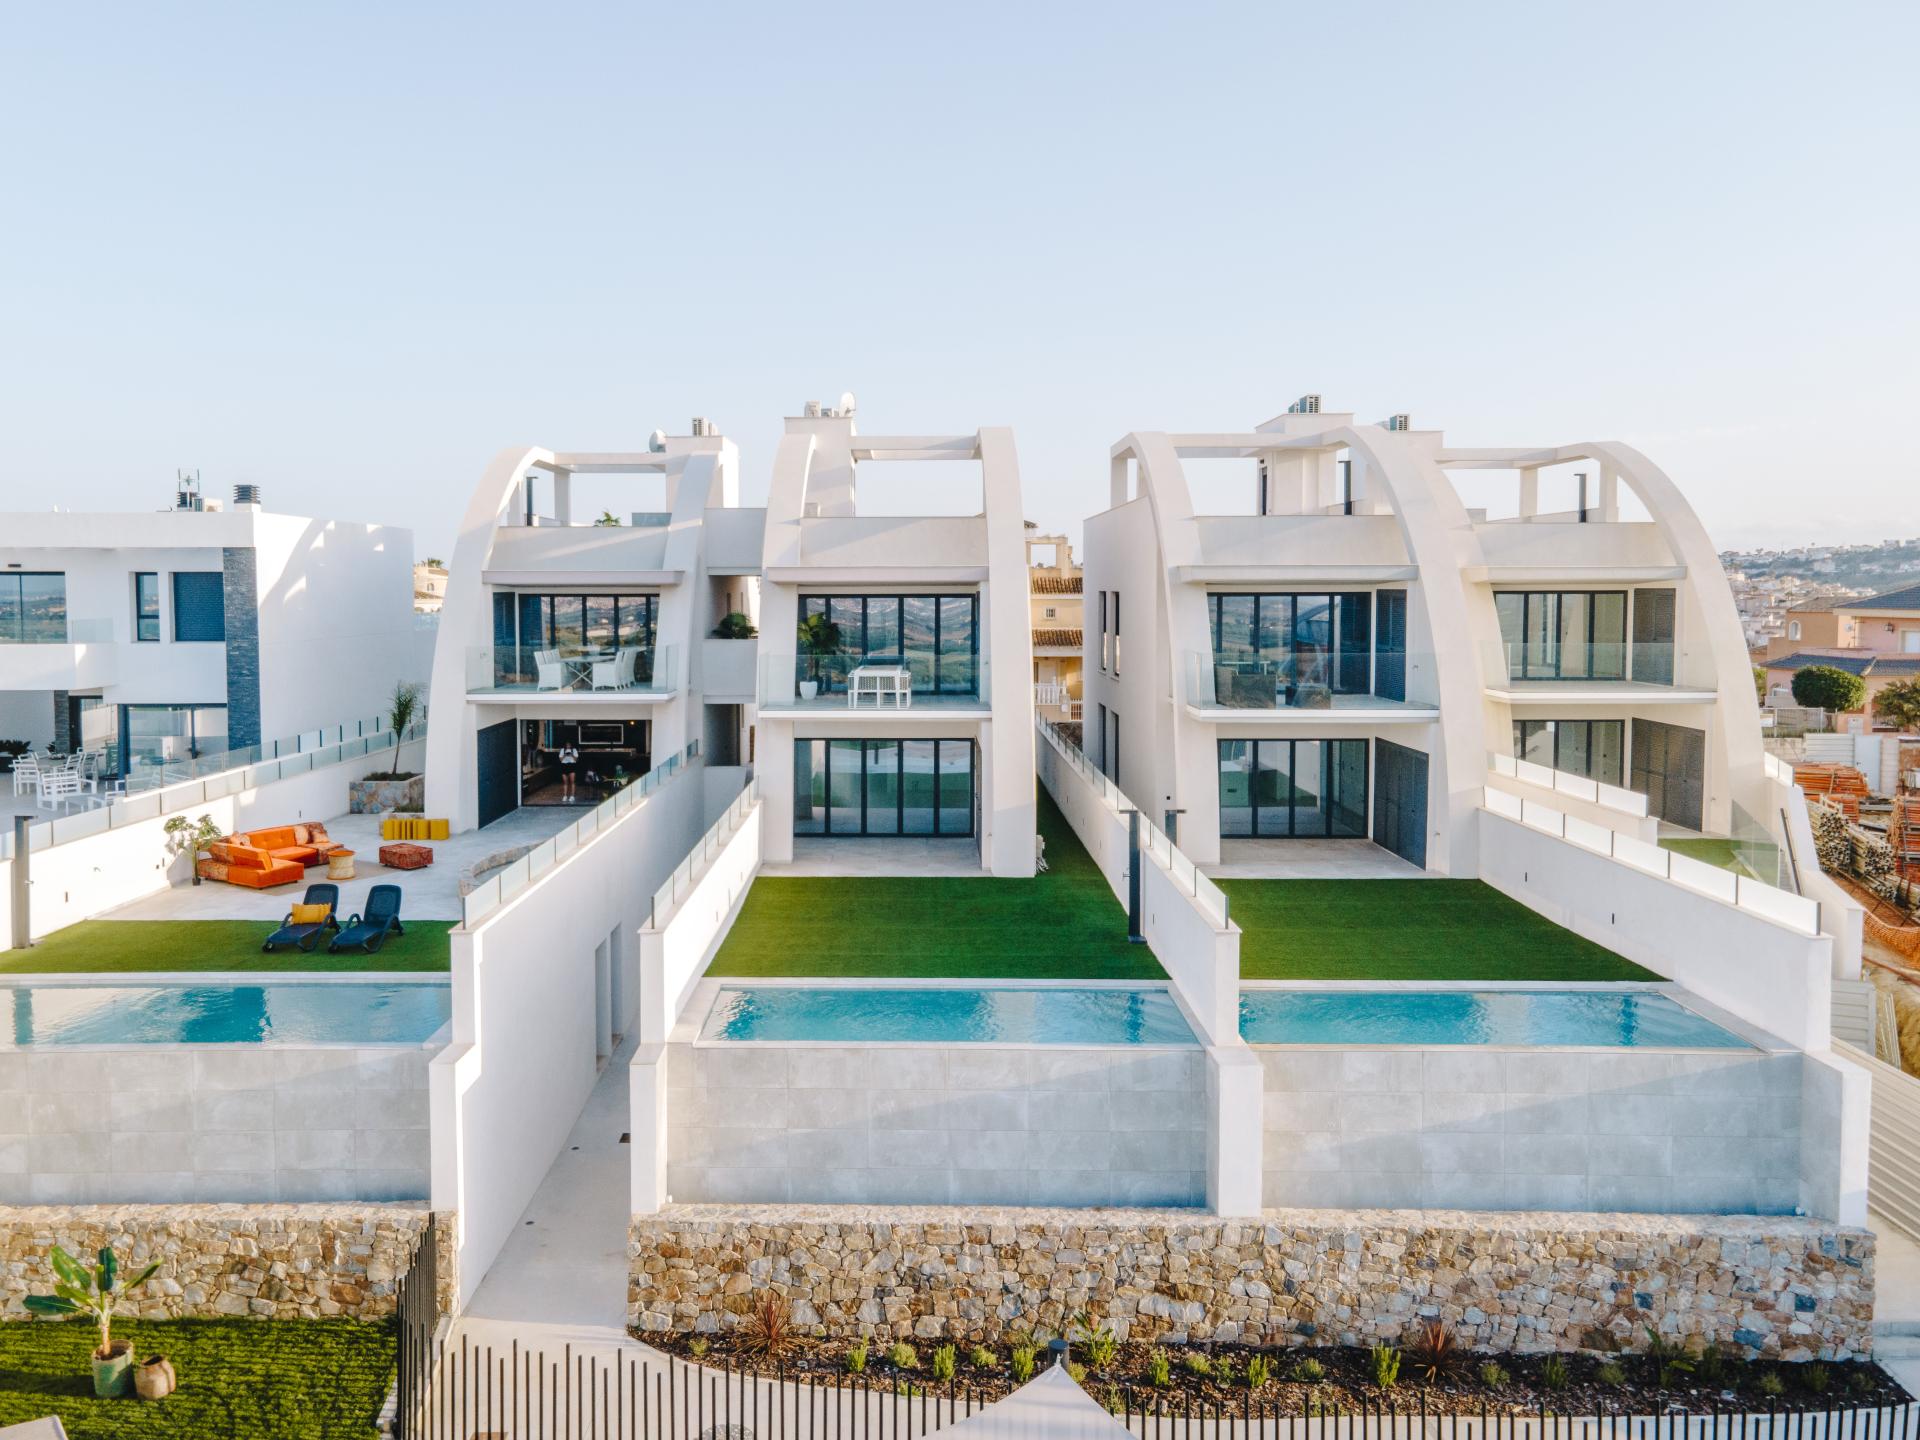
x=26 y=773
x=553 y=675
x=57 y=788
x=615 y=674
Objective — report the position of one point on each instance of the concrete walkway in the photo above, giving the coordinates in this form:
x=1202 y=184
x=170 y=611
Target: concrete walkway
x=566 y=1263
x=1263 y=859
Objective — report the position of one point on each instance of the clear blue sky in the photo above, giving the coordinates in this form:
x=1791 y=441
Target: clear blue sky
x=349 y=251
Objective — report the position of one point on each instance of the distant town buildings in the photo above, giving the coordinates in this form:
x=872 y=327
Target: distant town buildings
x=429 y=586
x=1767 y=584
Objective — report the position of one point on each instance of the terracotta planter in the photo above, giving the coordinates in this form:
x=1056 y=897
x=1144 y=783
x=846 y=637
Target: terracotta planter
x=153 y=1378
x=113 y=1375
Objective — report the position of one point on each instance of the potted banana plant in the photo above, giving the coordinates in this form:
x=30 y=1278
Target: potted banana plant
x=818 y=636
x=79 y=1291
x=191 y=838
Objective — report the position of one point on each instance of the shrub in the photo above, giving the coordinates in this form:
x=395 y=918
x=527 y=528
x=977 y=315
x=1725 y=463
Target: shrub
x=1077 y=1372
x=1898 y=704
x=697 y=1348
x=1308 y=1372
x=735 y=626
x=1198 y=1363
x=1095 y=1340
x=1771 y=1385
x=1671 y=1363
x=1611 y=1374
x=1159 y=1369
x=1383 y=1362
x=857 y=1357
x=1827 y=687
x=1022 y=1358
x=1553 y=1373
x=1225 y=1371
x=1710 y=1366
x=903 y=1356
x=1434 y=1353
x=1259 y=1371
x=768 y=1333
x=945 y=1360
x=1860 y=1382
x=1816 y=1378
x=1492 y=1376
x=982 y=1358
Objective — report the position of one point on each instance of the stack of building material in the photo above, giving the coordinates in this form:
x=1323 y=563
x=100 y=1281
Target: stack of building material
x=1841 y=785
x=1903 y=833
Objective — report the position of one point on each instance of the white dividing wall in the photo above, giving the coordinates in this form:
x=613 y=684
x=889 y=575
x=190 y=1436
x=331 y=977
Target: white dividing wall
x=676 y=948
x=1768 y=975
x=526 y=1000
x=86 y=877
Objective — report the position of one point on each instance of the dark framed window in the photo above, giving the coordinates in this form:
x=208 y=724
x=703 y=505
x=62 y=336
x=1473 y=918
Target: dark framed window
x=1593 y=748
x=1103 y=630
x=1669 y=767
x=1116 y=634
x=883 y=787
x=1101 y=759
x=1564 y=634
x=146 y=605
x=1390 y=644
x=1653 y=612
x=199 y=606
x=937 y=637
x=1304 y=641
x=527 y=622
x=33 y=607
x=1293 y=788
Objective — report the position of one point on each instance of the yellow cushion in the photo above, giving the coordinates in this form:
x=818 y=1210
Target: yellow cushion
x=311 y=914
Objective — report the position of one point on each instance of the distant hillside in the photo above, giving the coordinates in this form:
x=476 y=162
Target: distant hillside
x=1885 y=566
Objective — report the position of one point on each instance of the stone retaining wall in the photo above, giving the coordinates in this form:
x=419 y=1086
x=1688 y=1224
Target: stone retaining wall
x=280 y=1262
x=1501 y=1281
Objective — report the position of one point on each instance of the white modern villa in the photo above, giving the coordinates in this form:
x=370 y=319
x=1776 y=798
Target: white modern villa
x=151 y=639
x=580 y=641
x=895 y=694
x=1341 y=653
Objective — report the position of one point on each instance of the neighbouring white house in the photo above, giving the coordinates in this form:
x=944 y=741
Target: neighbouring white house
x=896 y=661
x=576 y=642
x=1380 y=613
x=168 y=636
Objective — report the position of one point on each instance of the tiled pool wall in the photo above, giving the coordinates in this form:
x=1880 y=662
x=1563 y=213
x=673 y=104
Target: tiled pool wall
x=979 y=1125
x=1488 y=1129
x=160 y=1124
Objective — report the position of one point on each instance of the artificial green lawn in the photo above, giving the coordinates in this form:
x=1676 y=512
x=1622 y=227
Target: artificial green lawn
x=1717 y=850
x=1064 y=924
x=288 y=1379
x=122 y=945
x=1432 y=929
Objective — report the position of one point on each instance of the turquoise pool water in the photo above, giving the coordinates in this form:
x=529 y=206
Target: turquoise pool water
x=1614 y=1019
x=940 y=1015
x=357 y=1013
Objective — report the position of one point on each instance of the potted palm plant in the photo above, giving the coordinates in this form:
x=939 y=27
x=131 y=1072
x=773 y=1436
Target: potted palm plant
x=79 y=1291
x=190 y=838
x=818 y=636
x=393 y=788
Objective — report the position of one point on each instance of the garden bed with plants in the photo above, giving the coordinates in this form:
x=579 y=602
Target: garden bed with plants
x=1431 y=1373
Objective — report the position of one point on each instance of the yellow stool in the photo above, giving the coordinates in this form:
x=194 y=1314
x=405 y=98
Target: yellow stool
x=413 y=827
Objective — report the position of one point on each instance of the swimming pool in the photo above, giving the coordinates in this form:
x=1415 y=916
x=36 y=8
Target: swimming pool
x=1037 y=1015
x=350 y=1013
x=1611 y=1019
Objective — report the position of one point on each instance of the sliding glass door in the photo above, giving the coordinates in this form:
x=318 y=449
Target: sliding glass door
x=935 y=636
x=1294 y=788
x=883 y=787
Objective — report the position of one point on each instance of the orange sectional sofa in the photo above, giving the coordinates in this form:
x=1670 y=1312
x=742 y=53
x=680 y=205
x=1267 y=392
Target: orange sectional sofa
x=262 y=859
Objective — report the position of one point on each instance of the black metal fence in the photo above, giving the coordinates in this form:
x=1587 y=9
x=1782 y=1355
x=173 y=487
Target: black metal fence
x=464 y=1391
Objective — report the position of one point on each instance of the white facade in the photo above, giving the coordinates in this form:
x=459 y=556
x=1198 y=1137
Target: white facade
x=935 y=608
x=543 y=610
x=1425 y=634
x=195 y=631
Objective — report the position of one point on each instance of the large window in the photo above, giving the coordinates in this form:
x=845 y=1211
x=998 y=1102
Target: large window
x=33 y=608
x=1593 y=748
x=199 y=605
x=1564 y=634
x=1293 y=788
x=1670 y=768
x=524 y=624
x=146 y=606
x=936 y=637
x=1296 y=643
x=883 y=787
x=1653 y=636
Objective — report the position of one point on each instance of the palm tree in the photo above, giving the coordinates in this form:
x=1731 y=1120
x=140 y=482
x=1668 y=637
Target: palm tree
x=402 y=706
x=1898 y=705
x=818 y=636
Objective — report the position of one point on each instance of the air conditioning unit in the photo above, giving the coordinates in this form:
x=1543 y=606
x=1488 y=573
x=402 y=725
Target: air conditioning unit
x=812 y=410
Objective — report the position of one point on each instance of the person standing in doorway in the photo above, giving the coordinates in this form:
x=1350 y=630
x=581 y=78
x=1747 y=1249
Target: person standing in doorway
x=569 y=769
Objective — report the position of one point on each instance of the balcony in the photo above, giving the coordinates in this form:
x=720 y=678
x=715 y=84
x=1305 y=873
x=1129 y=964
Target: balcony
x=578 y=555
x=913 y=684
x=85 y=659
x=525 y=672
x=1314 y=688
x=1592 y=672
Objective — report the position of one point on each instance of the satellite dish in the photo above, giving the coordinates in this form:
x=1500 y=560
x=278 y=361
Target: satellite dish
x=657 y=442
x=846 y=403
